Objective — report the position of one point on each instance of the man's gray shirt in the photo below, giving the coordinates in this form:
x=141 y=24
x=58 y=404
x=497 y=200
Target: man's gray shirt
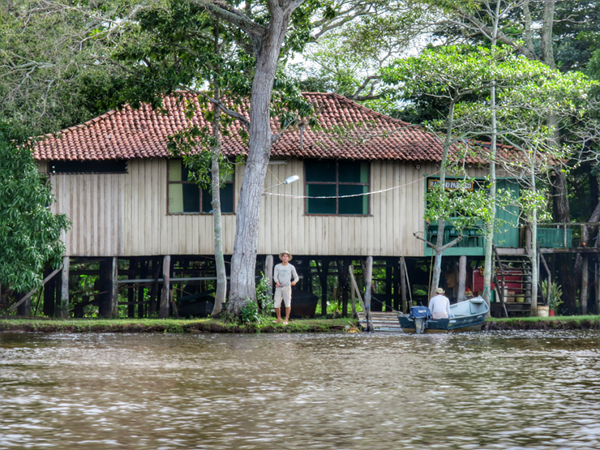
x=283 y=274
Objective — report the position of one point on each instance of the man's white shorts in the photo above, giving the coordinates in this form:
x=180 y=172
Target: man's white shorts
x=286 y=293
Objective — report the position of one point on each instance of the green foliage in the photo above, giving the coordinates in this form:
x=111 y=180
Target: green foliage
x=29 y=233
x=249 y=313
x=459 y=79
x=48 y=58
x=263 y=297
x=555 y=294
x=178 y=46
x=347 y=58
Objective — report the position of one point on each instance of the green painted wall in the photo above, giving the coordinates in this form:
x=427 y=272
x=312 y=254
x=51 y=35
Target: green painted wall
x=507 y=233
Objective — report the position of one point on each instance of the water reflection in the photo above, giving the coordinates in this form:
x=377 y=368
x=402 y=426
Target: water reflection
x=470 y=391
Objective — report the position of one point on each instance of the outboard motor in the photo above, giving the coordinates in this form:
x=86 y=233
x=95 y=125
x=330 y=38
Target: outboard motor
x=420 y=315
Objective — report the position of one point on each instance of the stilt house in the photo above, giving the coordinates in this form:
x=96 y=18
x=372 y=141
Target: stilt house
x=131 y=204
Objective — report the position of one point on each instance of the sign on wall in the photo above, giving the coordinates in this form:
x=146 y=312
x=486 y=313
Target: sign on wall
x=450 y=185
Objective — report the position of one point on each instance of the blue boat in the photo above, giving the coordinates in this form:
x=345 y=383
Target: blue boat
x=465 y=316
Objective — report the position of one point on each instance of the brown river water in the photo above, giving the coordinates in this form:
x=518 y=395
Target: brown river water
x=505 y=390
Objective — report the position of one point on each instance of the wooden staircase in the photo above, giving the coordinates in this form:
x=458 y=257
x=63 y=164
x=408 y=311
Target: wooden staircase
x=513 y=283
x=382 y=321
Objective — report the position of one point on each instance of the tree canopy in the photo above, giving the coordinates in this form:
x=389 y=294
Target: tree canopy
x=30 y=235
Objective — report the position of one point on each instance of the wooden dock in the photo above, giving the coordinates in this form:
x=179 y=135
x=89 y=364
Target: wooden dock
x=382 y=321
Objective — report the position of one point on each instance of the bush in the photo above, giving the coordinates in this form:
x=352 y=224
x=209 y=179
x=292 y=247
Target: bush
x=555 y=294
x=249 y=312
x=262 y=296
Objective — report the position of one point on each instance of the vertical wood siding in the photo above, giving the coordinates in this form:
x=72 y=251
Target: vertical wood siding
x=126 y=215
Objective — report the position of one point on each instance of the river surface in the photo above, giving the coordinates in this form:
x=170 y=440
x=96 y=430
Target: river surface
x=505 y=390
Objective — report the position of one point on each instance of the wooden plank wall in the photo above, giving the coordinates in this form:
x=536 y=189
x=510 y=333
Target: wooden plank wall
x=126 y=215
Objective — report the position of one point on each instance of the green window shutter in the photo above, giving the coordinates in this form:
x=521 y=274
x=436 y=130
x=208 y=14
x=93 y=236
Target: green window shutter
x=321 y=205
x=175 y=198
x=354 y=172
x=191 y=198
x=226 y=199
x=337 y=178
x=354 y=205
x=321 y=171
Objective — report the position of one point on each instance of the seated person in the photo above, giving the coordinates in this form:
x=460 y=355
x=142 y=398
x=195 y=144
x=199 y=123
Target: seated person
x=439 y=305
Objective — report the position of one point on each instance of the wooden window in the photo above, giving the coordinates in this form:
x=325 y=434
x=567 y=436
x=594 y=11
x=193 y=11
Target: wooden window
x=334 y=178
x=188 y=198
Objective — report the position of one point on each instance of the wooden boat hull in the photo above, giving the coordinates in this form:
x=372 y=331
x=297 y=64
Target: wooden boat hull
x=469 y=316
x=442 y=325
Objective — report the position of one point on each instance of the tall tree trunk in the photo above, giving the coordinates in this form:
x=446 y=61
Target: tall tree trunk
x=527 y=27
x=439 y=245
x=166 y=289
x=491 y=223
x=462 y=278
x=533 y=251
x=221 y=293
x=243 y=261
x=546 y=34
x=64 y=293
x=561 y=208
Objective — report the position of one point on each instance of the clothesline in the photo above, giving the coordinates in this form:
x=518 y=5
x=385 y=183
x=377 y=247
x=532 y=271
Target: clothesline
x=351 y=195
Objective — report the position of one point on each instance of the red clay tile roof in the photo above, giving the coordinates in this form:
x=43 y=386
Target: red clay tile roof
x=348 y=130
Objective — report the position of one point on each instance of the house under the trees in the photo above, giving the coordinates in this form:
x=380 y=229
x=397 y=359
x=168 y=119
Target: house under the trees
x=131 y=204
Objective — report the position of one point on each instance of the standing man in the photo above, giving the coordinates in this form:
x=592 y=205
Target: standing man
x=439 y=305
x=282 y=275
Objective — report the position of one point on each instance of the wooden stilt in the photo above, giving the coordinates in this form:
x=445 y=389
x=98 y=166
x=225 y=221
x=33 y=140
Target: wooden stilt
x=105 y=288
x=37 y=305
x=597 y=284
x=154 y=289
x=343 y=281
x=26 y=297
x=356 y=292
x=64 y=293
x=114 y=288
x=397 y=291
x=24 y=308
x=323 y=279
x=403 y=284
x=142 y=289
x=546 y=294
x=584 y=285
x=164 y=297
x=173 y=304
x=410 y=297
x=388 y=285
x=131 y=292
x=368 y=274
x=462 y=278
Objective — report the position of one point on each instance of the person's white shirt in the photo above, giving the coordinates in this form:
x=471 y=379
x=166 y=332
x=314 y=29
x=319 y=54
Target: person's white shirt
x=439 y=304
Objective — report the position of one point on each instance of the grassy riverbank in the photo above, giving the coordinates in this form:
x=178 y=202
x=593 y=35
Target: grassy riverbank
x=264 y=326
x=171 y=326
x=544 y=323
